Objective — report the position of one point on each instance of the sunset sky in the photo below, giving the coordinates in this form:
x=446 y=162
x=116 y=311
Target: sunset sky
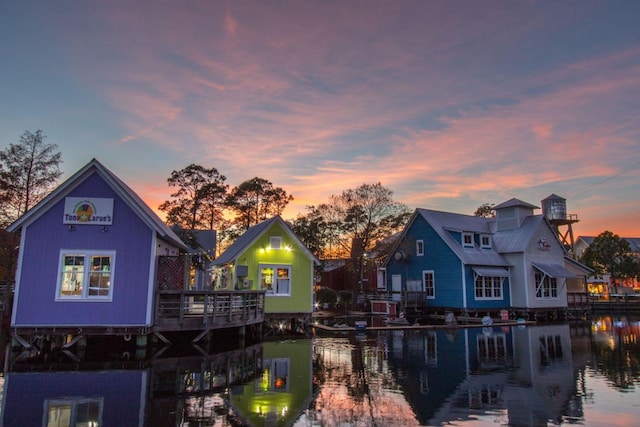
x=450 y=104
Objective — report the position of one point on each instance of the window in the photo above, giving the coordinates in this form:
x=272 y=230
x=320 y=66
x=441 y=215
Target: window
x=485 y=241
x=492 y=349
x=419 y=247
x=275 y=376
x=276 y=279
x=429 y=284
x=85 y=275
x=275 y=242
x=546 y=286
x=488 y=287
x=550 y=349
x=73 y=412
x=467 y=240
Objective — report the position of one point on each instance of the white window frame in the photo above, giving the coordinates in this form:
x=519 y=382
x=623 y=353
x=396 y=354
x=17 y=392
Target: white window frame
x=275 y=242
x=547 y=287
x=430 y=291
x=464 y=238
x=419 y=247
x=275 y=369
x=273 y=290
x=482 y=241
x=488 y=285
x=86 y=273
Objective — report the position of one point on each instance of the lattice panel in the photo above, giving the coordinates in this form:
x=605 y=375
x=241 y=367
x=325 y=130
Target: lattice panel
x=171 y=272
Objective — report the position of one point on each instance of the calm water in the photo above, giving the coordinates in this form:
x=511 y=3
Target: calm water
x=584 y=374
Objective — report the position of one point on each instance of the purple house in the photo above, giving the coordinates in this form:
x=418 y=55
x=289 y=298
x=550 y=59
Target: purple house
x=88 y=259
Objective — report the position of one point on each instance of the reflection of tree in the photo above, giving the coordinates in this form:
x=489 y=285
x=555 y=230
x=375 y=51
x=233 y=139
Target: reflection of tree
x=618 y=359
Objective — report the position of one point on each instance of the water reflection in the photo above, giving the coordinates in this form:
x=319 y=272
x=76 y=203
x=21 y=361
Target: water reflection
x=520 y=376
x=585 y=373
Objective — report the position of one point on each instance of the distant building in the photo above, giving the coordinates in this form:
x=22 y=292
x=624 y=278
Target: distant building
x=600 y=284
x=450 y=261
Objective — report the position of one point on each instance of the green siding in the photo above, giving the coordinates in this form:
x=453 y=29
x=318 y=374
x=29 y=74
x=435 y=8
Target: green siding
x=301 y=264
x=284 y=404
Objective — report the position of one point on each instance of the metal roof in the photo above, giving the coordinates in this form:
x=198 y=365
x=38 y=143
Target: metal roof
x=553 y=270
x=444 y=222
x=491 y=272
x=252 y=234
x=514 y=203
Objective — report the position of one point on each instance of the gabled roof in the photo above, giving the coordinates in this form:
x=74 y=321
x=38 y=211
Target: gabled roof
x=514 y=203
x=253 y=234
x=444 y=222
x=127 y=194
x=517 y=239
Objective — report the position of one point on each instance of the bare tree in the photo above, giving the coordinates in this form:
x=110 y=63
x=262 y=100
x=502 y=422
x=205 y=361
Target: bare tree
x=28 y=172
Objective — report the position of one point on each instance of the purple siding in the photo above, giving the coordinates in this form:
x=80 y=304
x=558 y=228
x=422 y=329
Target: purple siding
x=128 y=236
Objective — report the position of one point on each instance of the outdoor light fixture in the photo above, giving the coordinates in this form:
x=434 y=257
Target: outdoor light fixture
x=72 y=228
x=105 y=229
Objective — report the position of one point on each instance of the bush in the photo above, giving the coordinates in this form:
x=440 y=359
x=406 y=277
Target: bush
x=326 y=295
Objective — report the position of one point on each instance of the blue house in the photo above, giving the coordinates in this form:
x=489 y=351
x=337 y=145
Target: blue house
x=469 y=264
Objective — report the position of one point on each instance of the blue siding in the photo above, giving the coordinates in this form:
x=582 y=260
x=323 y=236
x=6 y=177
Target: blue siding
x=128 y=236
x=437 y=257
x=473 y=303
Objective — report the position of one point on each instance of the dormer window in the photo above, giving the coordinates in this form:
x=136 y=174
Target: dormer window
x=467 y=240
x=275 y=242
x=485 y=241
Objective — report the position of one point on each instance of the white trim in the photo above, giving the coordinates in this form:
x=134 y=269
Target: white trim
x=18 y=276
x=424 y=285
x=464 y=244
x=464 y=286
x=482 y=245
x=275 y=267
x=420 y=247
x=152 y=279
x=143 y=398
x=86 y=254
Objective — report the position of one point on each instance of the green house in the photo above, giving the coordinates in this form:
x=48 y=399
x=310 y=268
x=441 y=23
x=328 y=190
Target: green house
x=283 y=389
x=270 y=256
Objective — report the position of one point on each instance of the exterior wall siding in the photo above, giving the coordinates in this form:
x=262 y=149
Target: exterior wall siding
x=301 y=299
x=437 y=257
x=480 y=304
x=128 y=236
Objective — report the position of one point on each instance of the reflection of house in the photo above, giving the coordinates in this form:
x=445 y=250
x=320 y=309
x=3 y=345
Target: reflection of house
x=75 y=398
x=528 y=381
x=601 y=284
x=451 y=261
x=282 y=391
x=269 y=256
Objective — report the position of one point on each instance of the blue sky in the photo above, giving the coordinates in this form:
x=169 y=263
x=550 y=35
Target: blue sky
x=450 y=104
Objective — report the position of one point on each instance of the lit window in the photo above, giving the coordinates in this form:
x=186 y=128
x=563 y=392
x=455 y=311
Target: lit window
x=420 y=247
x=73 y=412
x=276 y=279
x=467 y=240
x=85 y=275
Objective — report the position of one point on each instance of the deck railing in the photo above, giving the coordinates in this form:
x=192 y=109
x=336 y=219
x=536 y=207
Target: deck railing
x=208 y=309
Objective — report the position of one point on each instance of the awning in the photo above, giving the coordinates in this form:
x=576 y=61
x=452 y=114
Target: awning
x=553 y=270
x=491 y=271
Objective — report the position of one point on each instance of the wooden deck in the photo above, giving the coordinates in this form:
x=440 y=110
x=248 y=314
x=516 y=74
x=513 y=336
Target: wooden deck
x=187 y=310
